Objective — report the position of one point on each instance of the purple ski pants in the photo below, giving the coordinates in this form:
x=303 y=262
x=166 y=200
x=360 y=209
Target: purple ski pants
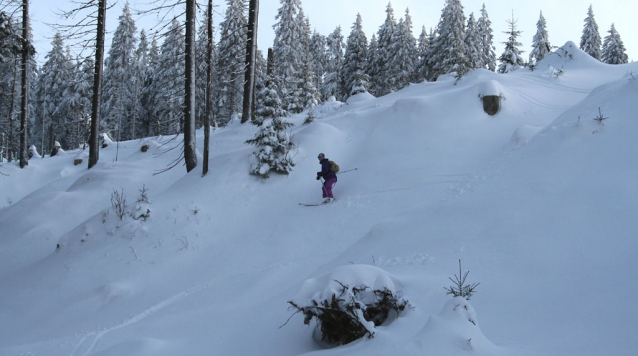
x=327 y=187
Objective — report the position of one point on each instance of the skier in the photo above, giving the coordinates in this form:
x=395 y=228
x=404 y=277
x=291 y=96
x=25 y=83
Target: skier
x=329 y=176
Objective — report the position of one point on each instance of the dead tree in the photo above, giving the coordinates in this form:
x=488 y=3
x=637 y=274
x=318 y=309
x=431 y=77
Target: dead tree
x=209 y=86
x=94 y=144
x=24 y=106
x=251 y=49
x=190 y=155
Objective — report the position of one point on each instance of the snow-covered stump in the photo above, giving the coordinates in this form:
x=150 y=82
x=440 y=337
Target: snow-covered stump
x=349 y=302
x=491 y=104
x=491 y=94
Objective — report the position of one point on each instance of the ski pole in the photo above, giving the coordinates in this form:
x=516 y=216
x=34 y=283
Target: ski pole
x=349 y=170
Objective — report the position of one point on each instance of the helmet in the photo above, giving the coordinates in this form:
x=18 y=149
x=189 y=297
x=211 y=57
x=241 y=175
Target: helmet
x=321 y=155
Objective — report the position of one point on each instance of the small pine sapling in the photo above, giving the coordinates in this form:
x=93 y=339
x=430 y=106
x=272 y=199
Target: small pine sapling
x=141 y=210
x=460 y=289
x=600 y=118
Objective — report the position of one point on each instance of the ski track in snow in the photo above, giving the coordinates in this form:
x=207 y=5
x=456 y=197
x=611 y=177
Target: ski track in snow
x=542 y=82
x=89 y=342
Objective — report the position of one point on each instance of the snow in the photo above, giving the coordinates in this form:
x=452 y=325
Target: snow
x=539 y=202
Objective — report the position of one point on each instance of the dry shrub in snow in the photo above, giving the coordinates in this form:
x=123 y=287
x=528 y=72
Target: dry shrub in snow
x=344 y=313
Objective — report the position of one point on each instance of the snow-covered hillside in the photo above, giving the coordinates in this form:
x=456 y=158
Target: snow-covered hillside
x=539 y=202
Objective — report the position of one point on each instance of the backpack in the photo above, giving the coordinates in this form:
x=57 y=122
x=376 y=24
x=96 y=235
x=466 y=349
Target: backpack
x=334 y=167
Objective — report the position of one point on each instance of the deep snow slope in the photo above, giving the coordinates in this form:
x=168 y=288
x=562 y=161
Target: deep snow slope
x=538 y=201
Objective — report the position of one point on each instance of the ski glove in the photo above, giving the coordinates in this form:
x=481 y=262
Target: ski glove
x=318 y=177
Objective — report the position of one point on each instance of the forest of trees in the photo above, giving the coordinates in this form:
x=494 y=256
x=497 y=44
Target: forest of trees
x=144 y=76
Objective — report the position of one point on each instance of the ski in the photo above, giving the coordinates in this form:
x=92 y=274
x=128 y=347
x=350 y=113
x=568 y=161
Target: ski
x=311 y=204
x=317 y=204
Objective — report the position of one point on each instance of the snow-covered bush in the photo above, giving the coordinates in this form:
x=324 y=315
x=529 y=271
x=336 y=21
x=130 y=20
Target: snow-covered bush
x=343 y=313
x=141 y=210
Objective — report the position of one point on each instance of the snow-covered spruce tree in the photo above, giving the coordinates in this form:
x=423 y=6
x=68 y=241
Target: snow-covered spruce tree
x=77 y=102
x=613 y=48
x=268 y=102
x=473 y=43
x=118 y=90
x=404 y=60
x=484 y=28
x=272 y=152
x=55 y=74
x=540 y=42
x=296 y=102
x=168 y=83
x=332 y=77
x=430 y=75
x=231 y=55
x=422 y=49
x=10 y=78
x=149 y=94
x=8 y=47
x=318 y=59
x=449 y=53
x=355 y=59
x=311 y=95
x=590 y=41
x=287 y=48
x=371 y=61
x=511 y=58
x=202 y=67
x=141 y=61
x=381 y=73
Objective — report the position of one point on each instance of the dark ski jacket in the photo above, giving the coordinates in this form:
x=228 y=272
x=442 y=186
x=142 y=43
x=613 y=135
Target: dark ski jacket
x=326 y=173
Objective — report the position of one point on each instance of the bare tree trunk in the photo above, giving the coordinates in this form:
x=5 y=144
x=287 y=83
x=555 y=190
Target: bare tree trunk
x=251 y=49
x=190 y=155
x=24 y=110
x=94 y=144
x=209 y=84
x=270 y=65
x=11 y=144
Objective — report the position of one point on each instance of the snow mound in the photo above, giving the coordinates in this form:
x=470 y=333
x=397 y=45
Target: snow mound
x=454 y=331
x=361 y=97
x=490 y=88
x=569 y=56
x=524 y=134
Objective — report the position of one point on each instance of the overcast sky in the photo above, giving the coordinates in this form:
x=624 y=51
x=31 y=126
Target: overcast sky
x=564 y=18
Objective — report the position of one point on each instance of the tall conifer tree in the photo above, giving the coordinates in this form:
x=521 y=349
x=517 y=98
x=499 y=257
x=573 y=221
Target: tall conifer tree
x=288 y=49
x=118 y=90
x=449 y=53
x=540 y=42
x=168 y=83
x=613 y=48
x=404 y=53
x=355 y=60
x=590 y=41
x=332 y=79
x=50 y=118
x=511 y=58
x=473 y=43
x=231 y=57
x=484 y=28
x=383 y=79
